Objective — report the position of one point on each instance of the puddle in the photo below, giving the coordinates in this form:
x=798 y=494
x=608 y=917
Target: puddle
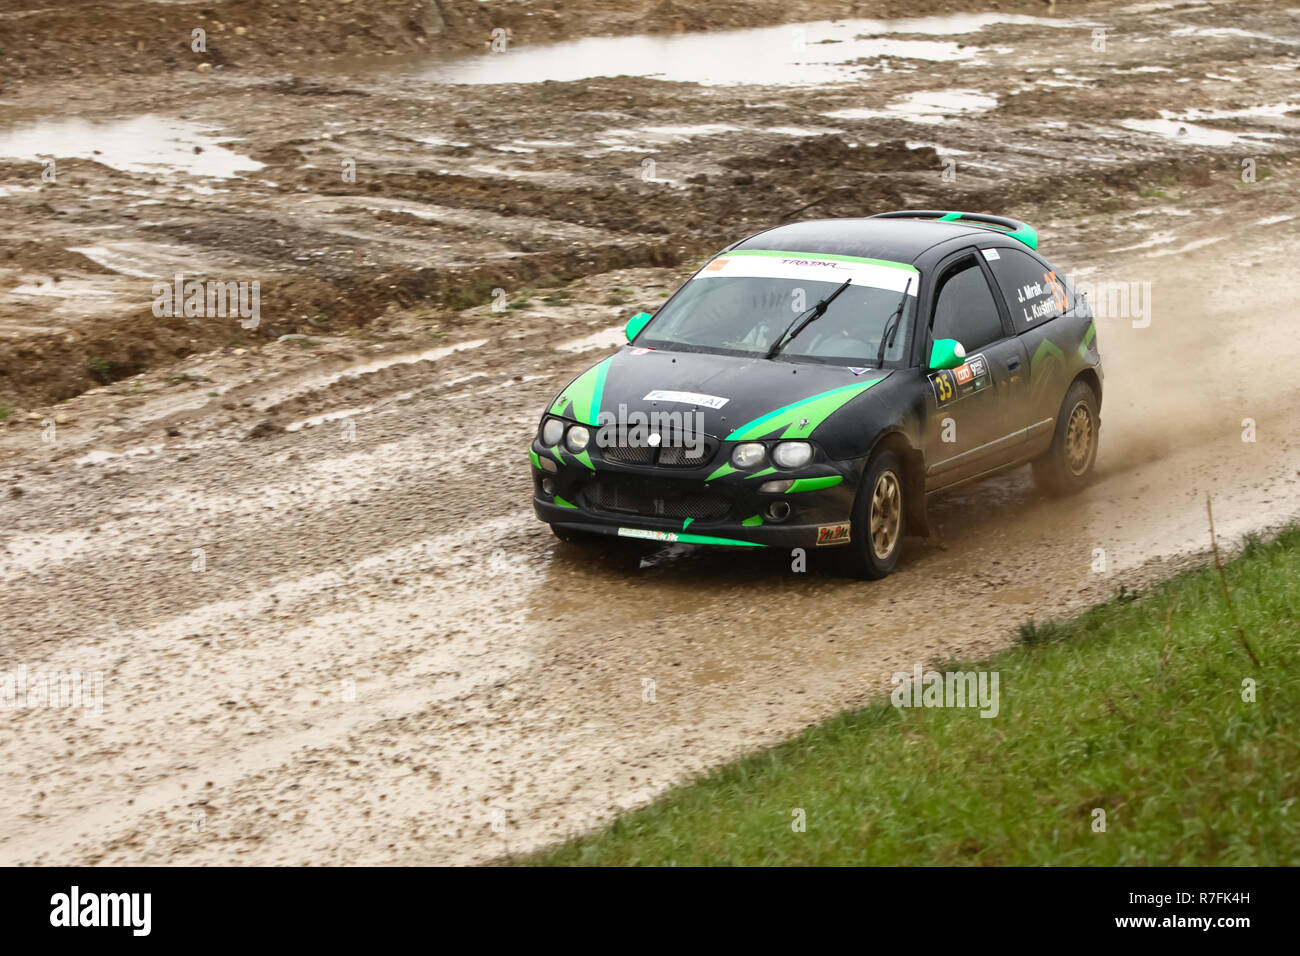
x=1193 y=135
x=63 y=289
x=140 y=144
x=404 y=358
x=611 y=338
x=793 y=54
x=321 y=419
x=1190 y=247
x=98 y=457
x=1229 y=32
x=925 y=106
x=109 y=259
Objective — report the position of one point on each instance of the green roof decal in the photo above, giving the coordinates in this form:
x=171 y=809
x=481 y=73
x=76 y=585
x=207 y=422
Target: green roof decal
x=1025 y=233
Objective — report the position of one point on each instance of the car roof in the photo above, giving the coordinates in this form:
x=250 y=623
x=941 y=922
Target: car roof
x=894 y=240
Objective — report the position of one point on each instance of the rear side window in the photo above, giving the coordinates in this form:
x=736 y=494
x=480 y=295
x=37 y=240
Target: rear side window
x=1033 y=291
x=964 y=308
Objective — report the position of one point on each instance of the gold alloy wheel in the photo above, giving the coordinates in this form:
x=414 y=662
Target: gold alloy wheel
x=886 y=515
x=1079 y=434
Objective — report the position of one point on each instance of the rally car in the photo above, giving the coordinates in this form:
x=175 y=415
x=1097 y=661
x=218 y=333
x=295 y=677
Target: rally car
x=811 y=386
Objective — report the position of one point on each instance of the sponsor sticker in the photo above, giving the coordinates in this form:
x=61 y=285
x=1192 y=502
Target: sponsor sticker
x=686 y=398
x=856 y=371
x=808 y=267
x=990 y=254
x=639 y=351
x=833 y=534
x=647 y=535
x=952 y=385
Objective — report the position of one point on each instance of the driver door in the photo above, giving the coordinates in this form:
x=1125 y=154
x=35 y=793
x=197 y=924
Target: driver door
x=969 y=428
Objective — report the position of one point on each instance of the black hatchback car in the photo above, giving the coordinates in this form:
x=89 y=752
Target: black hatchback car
x=812 y=385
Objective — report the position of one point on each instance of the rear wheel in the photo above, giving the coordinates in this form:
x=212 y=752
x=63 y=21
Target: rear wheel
x=1066 y=467
x=877 y=528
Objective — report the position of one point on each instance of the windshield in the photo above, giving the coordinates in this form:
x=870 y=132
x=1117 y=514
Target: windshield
x=744 y=300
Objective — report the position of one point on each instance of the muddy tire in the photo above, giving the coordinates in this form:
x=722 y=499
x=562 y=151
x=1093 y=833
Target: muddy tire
x=1066 y=467
x=876 y=538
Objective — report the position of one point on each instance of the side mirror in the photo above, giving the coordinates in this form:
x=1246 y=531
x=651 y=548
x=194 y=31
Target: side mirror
x=947 y=353
x=636 y=324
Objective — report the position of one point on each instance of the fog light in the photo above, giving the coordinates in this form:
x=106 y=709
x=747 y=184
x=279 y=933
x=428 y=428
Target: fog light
x=548 y=486
x=778 y=510
x=775 y=487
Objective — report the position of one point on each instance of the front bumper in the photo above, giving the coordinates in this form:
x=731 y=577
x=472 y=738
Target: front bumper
x=692 y=505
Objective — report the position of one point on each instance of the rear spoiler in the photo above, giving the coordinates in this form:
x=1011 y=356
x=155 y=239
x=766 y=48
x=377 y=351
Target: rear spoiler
x=1011 y=227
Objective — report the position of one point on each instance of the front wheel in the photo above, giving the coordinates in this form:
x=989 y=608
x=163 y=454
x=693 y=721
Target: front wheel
x=1065 y=467
x=877 y=527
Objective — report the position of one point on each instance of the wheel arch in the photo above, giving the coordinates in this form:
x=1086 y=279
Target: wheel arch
x=1090 y=376
x=915 y=518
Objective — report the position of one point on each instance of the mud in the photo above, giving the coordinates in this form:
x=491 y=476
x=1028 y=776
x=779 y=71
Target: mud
x=384 y=653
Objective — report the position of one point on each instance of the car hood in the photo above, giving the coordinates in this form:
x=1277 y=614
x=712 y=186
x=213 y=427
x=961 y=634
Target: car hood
x=737 y=397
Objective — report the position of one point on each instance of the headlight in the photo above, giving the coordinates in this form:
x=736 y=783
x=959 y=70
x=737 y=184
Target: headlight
x=792 y=454
x=748 y=454
x=552 y=431
x=577 y=439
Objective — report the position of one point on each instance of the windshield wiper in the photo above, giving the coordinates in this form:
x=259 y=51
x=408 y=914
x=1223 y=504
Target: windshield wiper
x=802 y=320
x=890 y=331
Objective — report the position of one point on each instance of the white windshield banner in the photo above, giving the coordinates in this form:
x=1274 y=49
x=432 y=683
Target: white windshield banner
x=811 y=269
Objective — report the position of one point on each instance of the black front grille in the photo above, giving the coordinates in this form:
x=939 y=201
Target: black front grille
x=639 y=499
x=680 y=455
x=695 y=455
x=637 y=455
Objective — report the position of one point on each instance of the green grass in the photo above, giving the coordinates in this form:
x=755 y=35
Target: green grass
x=1186 y=771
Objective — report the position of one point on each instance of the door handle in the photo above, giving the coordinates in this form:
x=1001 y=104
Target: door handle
x=1013 y=364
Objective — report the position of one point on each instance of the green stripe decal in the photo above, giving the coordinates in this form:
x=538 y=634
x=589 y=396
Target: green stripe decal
x=680 y=537
x=708 y=539
x=815 y=484
x=1088 y=339
x=753 y=521
x=532 y=456
x=564 y=504
x=583 y=457
x=557 y=454
x=687 y=523
x=800 y=419
x=584 y=394
x=817 y=256
x=724 y=469
x=760 y=474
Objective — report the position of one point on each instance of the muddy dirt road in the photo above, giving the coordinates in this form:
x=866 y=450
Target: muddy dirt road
x=330 y=629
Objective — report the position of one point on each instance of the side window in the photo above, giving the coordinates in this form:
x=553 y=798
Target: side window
x=1033 y=291
x=964 y=308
